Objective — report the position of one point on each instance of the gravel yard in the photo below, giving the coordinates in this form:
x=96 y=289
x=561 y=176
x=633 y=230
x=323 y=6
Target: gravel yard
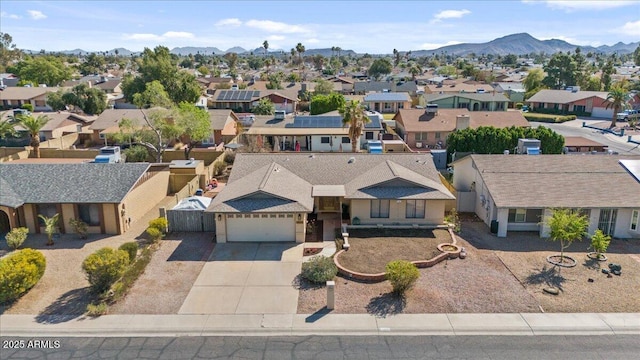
x=498 y=275
x=169 y=276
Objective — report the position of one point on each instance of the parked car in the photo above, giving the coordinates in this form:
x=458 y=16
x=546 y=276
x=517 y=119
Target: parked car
x=625 y=115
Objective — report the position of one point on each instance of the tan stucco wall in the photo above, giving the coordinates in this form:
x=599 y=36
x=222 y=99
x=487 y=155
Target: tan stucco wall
x=68 y=213
x=29 y=210
x=110 y=214
x=434 y=213
x=147 y=195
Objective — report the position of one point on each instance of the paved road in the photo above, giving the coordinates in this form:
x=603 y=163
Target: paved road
x=621 y=347
x=573 y=128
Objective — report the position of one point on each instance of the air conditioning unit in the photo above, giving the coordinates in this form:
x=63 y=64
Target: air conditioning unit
x=419 y=145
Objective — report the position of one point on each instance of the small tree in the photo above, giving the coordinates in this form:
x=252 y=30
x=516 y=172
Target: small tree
x=159 y=223
x=19 y=272
x=319 y=269
x=104 y=267
x=16 y=237
x=50 y=226
x=131 y=248
x=566 y=226
x=453 y=220
x=264 y=107
x=600 y=242
x=402 y=275
x=79 y=227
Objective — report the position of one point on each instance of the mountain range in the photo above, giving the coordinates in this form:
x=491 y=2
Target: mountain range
x=517 y=44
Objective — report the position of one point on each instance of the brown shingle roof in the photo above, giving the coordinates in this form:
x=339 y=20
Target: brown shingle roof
x=564 y=96
x=548 y=181
x=445 y=120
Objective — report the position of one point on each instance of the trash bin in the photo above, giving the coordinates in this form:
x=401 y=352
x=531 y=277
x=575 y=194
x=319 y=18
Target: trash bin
x=199 y=192
x=494 y=226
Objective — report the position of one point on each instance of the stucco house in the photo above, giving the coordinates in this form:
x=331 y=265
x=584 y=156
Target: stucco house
x=271 y=197
x=429 y=128
x=16 y=96
x=517 y=192
x=364 y=87
x=575 y=101
x=223 y=126
x=470 y=101
x=387 y=102
x=108 y=197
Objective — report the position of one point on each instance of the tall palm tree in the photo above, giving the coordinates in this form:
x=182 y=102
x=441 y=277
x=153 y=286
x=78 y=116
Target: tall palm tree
x=265 y=45
x=300 y=50
x=50 y=226
x=7 y=129
x=616 y=99
x=354 y=116
x=33 y=125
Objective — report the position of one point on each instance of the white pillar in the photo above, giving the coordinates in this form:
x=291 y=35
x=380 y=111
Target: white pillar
x=503 y=219
x=331 y=295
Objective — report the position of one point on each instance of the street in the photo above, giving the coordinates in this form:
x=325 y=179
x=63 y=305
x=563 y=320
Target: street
x=574 y=128
x=623 y=347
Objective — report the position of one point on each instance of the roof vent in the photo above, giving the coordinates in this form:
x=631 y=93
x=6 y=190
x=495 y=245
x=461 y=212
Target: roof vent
x=352 y=160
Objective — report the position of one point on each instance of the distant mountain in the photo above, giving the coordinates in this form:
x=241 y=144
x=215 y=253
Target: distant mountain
x=183 y=51
x=236 y=49
x=328 y=52
x=523 y=43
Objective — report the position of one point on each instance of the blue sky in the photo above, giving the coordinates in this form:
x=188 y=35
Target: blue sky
x=363 y=26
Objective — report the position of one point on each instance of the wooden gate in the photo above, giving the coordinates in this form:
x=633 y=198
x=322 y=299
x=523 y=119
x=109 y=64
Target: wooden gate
x=191 y=221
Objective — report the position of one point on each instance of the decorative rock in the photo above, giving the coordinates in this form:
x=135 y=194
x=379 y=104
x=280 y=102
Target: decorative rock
x=590 y=280
x=463 y=254
x=616 y=272
x=605 y=271
x=552 y=290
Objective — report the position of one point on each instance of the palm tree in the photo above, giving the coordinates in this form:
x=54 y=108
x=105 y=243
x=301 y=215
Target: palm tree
x=616 y=99
x=265 y=45
x=50 y=226
x=354 y=116
x=33 y=125
x=300 y=50
x=7 y=129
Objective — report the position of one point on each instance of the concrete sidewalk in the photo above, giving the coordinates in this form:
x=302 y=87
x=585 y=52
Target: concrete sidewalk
x=323 y=323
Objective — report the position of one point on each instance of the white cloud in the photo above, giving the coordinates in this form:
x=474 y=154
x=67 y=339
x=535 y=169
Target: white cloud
x=570 y=6
x=178 y=35
x=276 y=27
x=36 y=14
x=276 y=37
x=631 y=28
x=10 y=16
x=451 y=14
x=142 y=37
x=312 y=41
x=432 y=46
x=229 y=22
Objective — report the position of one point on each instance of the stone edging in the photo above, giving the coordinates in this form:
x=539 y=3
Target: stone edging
x=419 y=263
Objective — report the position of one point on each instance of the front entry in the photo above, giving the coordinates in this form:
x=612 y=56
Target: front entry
x=5 y=224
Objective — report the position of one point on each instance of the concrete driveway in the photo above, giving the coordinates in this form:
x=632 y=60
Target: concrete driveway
x=248 y=278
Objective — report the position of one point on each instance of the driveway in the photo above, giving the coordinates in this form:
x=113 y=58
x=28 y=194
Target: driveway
x=248 y=278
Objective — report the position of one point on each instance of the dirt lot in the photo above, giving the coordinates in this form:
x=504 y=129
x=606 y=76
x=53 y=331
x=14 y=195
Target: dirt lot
x=499 y=275
x=370 y=252
x=169 y=276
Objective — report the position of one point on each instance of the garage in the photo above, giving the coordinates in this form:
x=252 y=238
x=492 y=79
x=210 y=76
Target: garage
x=260 y=228
x=600 y=112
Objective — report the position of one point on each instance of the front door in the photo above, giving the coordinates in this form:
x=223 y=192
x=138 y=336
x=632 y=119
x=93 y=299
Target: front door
x=607 y=221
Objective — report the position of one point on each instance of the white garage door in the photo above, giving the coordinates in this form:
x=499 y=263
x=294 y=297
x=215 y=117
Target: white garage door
x=266 y=227
x=601 y=112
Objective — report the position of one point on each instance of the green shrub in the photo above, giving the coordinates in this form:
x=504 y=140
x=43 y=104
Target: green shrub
x=28 y=107
x=95 y=310
x=229 y=157
x=519 y=106
x=16 y=237
x=600 y=242
x=402 y=275
x=319 y=269
x=104 y=267
x=19 y=272
x=154 y=234
x=130 y=275
x=136 y=153
x=160 y=224
x=219 y=168
x=453 y=219
x=546 y=118
x=131 y=248
x=79 y=227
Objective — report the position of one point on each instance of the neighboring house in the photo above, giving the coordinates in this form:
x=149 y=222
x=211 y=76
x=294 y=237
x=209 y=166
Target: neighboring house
x=575 y=101
x=513 y=90
x=517 y=192
x=387 y=102
x=223 y=126
x=281 y=101
x=274 y=197
x=323 y=133
x=110 y=85
x=454 y=87
x=578 y=144
x=63 y=122
x=470 y=101
x=107 y=122
x=425 y=129
x=8 y=80
x=236 y=100
x=15 y=97
x=364 y=87
x=108 y=197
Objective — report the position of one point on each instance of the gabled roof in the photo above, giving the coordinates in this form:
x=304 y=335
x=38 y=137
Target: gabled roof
x=473 y=96
x=548 y=181
x=416 y=120
x=564 y=96
x=24 y=93
x=111 y=117
x=67 y=183
x=379 y=86
x=284 y=182
x=220 y=117
x=387 y=96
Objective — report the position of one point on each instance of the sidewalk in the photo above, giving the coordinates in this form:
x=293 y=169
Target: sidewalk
x=323 y=323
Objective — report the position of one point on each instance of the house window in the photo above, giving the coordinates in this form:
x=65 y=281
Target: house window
x=607 y=221
x=47 y=210
x=579 y=108
x=324 y=140
x=89 y=213
x=525 y=215
x=379 y=209
x=421 y=136
x=400 y=105
x=437 y=135
x=635 y=219
x=346 y=140
x=368 y=135
x=414 y=209
x=463 y=105
x=521 y=215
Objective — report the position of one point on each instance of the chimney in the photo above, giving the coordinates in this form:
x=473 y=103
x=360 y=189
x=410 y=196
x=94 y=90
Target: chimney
x=462 y=122
x=431 y=109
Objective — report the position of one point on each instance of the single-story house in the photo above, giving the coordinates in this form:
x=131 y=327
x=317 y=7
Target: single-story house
x=513 y=90
x=108 y=121
x=223 y=126
x=323 y=133
x=387 y=102
x=63 y=122
x=364 y=87
x=470 y=101
x=576 y=101
x=279 y=197
x=579 y=144
x=456 y=86
x=16 y=96
x=236 y=100
x=517 y=192
x=429 y=128
x=108 y=197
